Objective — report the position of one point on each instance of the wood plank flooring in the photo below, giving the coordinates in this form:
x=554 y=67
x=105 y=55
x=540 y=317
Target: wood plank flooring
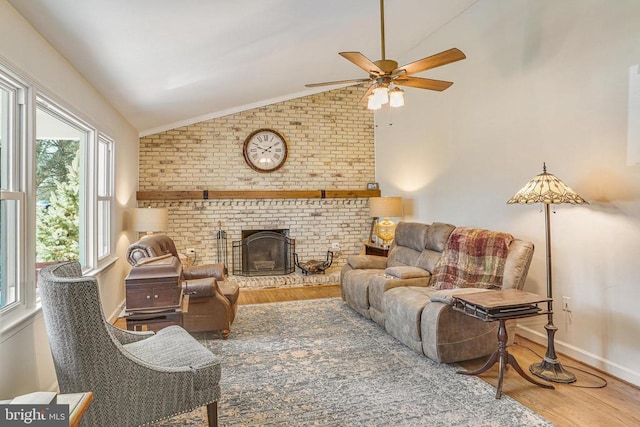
x=580 y=404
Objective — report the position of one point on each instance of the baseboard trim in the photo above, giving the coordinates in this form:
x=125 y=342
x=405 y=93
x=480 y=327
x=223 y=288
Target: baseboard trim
x=593 y=360
x=116 y=313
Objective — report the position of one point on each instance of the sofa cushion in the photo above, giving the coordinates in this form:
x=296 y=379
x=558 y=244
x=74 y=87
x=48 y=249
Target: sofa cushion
x=367 y=261
x=406 y=272
x=401 y=255
x=428 y=260
x=473 y=258
x=411 y=235
x=403 y=310
x=438 y=235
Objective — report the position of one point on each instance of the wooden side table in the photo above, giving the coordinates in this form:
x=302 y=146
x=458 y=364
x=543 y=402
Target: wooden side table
x=78 y=404
x=501 y=306
x=373 y=249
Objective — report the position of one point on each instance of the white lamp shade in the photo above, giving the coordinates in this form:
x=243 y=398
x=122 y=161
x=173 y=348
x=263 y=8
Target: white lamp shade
x=372 y=104
x=149 y=220
x=384 y=207
x=381 y=95
x=396 y=97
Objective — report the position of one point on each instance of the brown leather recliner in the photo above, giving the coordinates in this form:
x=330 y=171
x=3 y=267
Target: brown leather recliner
x=213 y=302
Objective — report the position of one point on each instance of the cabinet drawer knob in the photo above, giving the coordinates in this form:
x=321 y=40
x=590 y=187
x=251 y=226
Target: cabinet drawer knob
x=148 y=296
x=155 y=296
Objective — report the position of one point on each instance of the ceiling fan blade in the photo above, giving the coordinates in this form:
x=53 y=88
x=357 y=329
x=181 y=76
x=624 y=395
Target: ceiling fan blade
x=433 y=61
x=421 y=83
x=338 y=82
x=362 y=61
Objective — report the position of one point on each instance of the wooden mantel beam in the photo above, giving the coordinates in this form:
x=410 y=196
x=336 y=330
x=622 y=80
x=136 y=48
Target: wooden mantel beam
x=256 y=194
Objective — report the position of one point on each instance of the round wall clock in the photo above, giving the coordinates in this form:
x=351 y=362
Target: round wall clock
x=265 y=150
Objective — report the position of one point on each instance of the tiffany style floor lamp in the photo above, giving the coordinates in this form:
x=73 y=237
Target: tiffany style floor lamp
x=547 y=189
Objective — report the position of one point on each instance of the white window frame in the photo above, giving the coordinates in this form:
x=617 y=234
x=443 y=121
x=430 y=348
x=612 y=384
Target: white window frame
x=105 y=195
x=16 y=190
x=28 y=96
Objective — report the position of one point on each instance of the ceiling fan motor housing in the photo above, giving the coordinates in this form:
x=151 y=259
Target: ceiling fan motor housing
x=386 y=65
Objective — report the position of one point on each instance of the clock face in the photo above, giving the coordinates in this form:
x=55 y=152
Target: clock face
x=265 y=150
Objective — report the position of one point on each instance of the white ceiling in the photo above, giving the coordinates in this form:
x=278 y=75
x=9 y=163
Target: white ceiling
x=164 y=62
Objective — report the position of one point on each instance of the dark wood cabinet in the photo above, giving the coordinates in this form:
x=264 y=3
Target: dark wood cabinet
x=154 y=294
x=153 y=321
x=372 y=249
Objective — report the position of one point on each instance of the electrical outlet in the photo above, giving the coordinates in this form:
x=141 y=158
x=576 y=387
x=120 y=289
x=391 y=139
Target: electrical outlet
x=335 y=246
x=191 y=251
x=566 y=304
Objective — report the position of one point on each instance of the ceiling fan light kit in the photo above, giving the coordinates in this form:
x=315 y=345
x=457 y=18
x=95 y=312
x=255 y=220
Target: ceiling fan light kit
x=385 y=75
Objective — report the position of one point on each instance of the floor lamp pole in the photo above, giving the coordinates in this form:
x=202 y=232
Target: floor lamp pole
x=550 y=368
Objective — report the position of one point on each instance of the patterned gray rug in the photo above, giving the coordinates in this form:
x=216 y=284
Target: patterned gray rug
x=318 y=363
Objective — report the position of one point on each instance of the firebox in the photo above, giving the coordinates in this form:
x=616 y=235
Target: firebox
x=264 y=253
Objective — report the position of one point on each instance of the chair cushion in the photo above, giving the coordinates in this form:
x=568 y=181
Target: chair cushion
x=173 y=347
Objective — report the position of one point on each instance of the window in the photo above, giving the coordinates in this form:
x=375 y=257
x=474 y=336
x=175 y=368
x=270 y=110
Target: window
x=12 y=195
x=105 y=194
x=74 y=188
x=61 y=146
x=56 y=198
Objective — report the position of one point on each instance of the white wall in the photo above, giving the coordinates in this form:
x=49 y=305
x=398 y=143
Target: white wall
x=24 y=353
x=544 y=81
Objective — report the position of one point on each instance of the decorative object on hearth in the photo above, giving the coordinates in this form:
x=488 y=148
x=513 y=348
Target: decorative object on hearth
x=385 y=73
x=314 y=266
x=221 y=246
x=265 y=150
x=384 y=207
x=149 y=220
x=547 y=189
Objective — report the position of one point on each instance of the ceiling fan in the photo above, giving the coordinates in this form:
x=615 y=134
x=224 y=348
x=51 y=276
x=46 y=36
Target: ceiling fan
x=385 y=75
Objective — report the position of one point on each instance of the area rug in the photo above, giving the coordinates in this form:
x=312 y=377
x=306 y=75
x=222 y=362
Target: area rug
x=318 y=363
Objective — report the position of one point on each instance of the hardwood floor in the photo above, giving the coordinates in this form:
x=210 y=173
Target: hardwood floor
x=258 y=296
x=583 y=403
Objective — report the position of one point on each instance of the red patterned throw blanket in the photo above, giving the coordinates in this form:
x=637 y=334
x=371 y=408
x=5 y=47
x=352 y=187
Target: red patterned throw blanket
x=472 y=258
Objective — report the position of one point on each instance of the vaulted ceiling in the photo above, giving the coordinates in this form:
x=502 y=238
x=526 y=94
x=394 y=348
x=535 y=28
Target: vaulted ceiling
x=162 y=62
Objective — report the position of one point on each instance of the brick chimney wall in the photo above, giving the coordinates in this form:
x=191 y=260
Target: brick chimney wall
x=330 y=146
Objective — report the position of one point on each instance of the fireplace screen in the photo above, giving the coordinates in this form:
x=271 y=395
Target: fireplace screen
x=263 y=253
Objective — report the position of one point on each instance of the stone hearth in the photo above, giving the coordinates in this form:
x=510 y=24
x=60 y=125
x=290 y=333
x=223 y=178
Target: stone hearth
x=292 y=280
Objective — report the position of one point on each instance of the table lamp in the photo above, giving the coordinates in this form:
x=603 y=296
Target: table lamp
x=149 y=220
x=384 y=207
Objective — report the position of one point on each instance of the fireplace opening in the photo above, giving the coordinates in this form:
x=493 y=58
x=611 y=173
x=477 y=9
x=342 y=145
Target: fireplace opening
x=264 y=253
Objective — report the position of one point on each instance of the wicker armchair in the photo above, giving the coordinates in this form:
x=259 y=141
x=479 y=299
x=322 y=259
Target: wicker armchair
x=137 y=377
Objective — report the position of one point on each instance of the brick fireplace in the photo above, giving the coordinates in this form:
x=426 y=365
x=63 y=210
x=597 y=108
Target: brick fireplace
x=331 y=146
x=264 y=253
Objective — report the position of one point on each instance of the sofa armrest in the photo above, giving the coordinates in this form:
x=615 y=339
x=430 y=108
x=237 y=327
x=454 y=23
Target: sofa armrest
x=367 y=262
x=445 y=296
x=406 y=272
x=203 y=271
x=198 y=288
